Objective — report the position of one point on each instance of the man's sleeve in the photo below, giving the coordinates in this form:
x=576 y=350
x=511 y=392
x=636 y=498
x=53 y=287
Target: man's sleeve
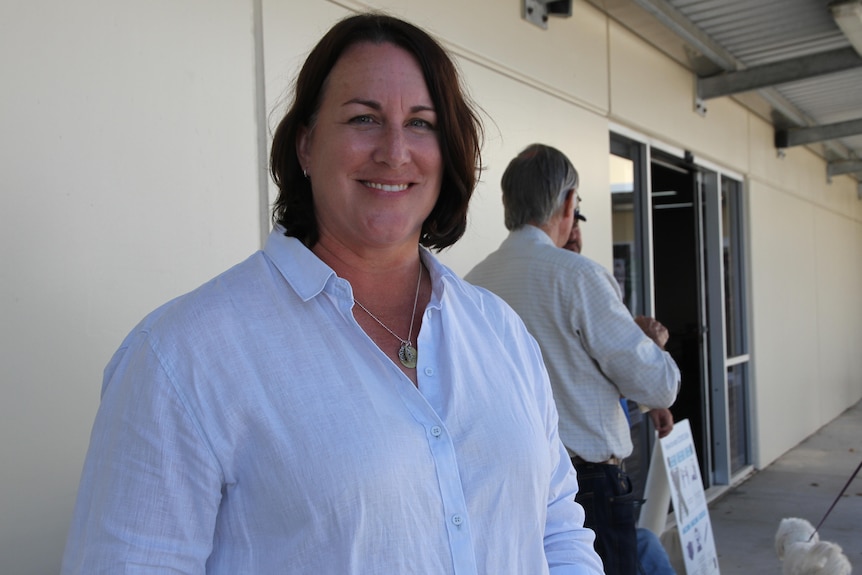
x=640 y=369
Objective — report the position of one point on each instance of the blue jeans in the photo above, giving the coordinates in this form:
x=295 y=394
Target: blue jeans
x=652 y=558
x=605 y=492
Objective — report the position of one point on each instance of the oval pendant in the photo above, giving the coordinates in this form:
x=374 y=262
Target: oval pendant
x=407 y=354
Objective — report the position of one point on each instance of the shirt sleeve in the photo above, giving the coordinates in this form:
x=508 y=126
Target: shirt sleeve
x=151 y=486
x=639 y=368
x=568 y=544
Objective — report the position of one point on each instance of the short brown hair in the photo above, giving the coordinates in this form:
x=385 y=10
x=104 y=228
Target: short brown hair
x=459 y=125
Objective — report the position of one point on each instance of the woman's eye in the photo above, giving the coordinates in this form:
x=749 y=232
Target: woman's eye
x=419 y=123
x=364 y=119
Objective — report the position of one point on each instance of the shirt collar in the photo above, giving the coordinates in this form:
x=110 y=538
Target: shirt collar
x=440 y=276
x=290 y=256
x=533 y=234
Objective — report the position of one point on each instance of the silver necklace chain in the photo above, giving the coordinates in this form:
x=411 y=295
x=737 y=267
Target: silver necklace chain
x=407 y=352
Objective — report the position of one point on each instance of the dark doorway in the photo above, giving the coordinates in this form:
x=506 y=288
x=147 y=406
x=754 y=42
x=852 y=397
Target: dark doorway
x=677 y=284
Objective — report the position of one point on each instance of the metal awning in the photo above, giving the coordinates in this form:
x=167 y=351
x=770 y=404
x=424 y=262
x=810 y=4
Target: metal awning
x=789 y=61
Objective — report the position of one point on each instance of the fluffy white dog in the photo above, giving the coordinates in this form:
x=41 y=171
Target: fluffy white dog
x=803 y=557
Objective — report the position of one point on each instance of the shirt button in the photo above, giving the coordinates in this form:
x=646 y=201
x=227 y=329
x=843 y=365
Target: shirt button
x=429 y=313
x=429 y=371
x=457 y=519
x=436 y=431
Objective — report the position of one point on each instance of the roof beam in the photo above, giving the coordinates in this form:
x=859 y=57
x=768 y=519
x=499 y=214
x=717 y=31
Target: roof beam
x=757 y=77
x=840 y=167
x=673 y=19
x=790 y=137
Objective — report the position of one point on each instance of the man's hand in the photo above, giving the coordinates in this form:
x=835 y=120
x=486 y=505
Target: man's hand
x=654 y=329
x=662 y=420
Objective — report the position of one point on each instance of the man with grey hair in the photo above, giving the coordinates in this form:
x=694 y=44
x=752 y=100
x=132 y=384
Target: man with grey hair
x=594 y=350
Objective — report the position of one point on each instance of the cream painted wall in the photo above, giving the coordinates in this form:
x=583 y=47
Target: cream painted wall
x=784 y=321
x=568 y=59
x=651 y=93
x=129 y=175
x=805 y=252
x=837 y=265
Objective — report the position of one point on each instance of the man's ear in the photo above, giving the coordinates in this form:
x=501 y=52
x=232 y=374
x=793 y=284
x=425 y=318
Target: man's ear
x=569 y=204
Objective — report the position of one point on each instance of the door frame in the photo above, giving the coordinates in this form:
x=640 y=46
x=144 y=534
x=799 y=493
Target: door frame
x=717 y=361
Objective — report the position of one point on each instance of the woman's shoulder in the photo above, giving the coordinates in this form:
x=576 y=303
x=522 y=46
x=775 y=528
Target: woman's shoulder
x=234 y=292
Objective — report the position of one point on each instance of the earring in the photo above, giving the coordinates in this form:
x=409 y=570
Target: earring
x=305 y=173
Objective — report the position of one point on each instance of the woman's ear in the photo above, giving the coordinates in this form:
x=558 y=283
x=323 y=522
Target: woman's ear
x=303 y=147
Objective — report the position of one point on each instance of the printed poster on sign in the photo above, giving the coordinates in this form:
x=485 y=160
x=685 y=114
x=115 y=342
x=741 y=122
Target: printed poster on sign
x=689 y=501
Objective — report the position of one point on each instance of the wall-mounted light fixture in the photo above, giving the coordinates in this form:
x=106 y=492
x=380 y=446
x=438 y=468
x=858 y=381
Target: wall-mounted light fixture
x=538 y=11
x=848 y=16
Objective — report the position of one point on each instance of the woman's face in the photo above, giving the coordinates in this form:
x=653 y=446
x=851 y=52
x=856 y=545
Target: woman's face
x=373 y=153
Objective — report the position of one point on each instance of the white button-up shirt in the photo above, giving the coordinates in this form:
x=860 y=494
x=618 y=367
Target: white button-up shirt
x=252 y=427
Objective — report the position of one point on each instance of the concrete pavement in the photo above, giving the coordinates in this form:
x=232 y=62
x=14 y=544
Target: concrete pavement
x=802 y=483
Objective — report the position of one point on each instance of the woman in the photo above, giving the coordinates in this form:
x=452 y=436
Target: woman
x=340 y=402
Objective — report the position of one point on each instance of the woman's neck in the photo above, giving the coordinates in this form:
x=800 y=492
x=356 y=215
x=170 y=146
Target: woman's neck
x=372 y=271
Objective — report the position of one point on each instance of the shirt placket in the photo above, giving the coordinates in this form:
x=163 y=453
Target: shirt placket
x=441 y=444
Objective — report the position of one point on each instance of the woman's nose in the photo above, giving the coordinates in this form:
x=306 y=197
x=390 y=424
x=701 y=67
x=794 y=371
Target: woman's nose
x=392 y=148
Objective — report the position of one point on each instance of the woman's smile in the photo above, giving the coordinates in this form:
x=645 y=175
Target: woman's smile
x=387 y=187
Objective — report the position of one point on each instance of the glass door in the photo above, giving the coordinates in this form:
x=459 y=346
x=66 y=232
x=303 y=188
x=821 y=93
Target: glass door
x=676 y=190
x=678 y=249
x=730 y=400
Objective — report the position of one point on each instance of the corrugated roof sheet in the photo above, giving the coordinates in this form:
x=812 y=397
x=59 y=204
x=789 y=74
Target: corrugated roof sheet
x=759 y=32
x=764 y=31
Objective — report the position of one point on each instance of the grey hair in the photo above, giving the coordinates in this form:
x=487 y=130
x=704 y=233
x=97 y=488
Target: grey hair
x=535 y=185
